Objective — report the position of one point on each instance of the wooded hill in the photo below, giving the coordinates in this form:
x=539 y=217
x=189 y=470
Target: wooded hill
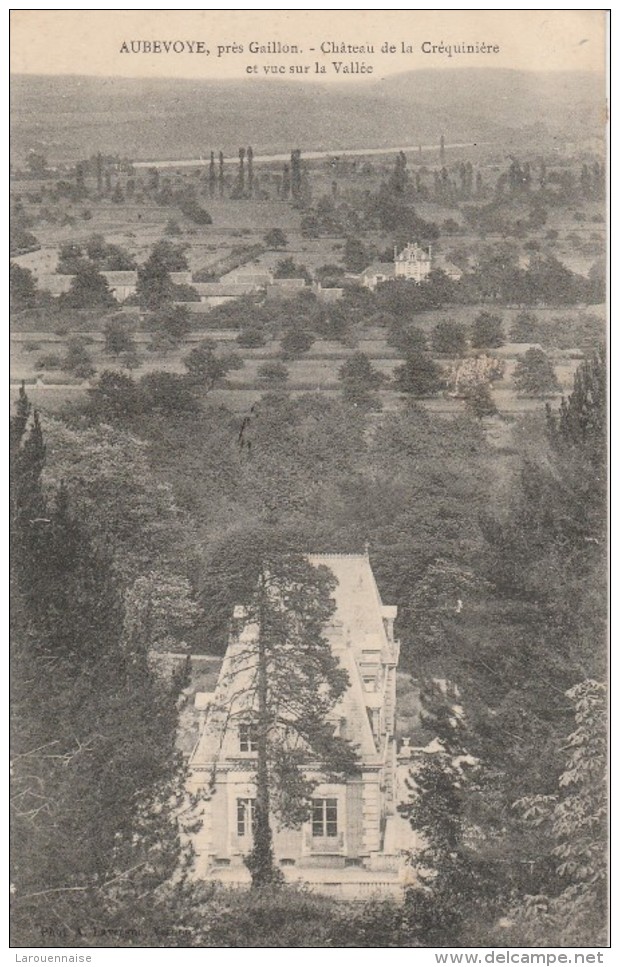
x=69 y=116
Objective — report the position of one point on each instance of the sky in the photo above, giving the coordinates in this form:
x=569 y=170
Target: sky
x=90 y=42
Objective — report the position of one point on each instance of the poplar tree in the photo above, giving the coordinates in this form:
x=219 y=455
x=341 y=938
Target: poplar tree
x=250 y=157
x=241 y=181
x=212 y=175
x=220 y=176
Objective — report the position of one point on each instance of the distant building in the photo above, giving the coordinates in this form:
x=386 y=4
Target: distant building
x=257 y=277
x=285 y=288
x=353 y=836
x=122 y=285
x=376 y=273
x=216 y=293
x=413 y=263
x=327 y=293
x=452 y=271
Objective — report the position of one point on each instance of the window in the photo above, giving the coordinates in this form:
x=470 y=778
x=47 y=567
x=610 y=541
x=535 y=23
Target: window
x=248 y=738
x=324 y=817
x=245 y=816
x=370 y=683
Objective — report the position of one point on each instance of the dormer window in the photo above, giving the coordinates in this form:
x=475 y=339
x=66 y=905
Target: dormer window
x=248 y=737
x=374 y=717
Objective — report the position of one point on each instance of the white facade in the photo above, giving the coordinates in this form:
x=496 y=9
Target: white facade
x=414 y=262
x=351 y=822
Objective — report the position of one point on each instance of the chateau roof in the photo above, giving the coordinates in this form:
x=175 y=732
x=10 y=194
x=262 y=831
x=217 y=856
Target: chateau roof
x=358 y=605
x=357 y=635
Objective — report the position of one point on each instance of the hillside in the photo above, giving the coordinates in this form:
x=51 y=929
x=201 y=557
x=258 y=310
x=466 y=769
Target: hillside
x=69 y=117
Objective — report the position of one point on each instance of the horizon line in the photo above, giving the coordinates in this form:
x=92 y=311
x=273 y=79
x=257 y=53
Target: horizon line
x=339 y=81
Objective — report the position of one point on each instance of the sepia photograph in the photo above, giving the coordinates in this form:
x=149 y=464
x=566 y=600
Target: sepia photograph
x=308 y=480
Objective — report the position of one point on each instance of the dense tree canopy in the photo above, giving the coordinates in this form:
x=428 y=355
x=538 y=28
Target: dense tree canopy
x=95 y=769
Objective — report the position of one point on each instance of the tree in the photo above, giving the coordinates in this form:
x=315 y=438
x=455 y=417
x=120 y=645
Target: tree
x=159 y=607
x=355 y=255
x=310 y=226
x=118 y=339
x=534 y=374
x=212 y=177
x=37 y=164
x=251 y=338
x=575 y=822
x=206 y=368
x=22 y=288
x=21 y=240
x=154 y=287
x=174 y=322
x=250 y=159
x=419 y=376
x=487 y=331
x=114 y=398
x=88 y=290
x=449 y=338
x=406 y=339
x=466 y=375
x=458 y=886
x=241 y=177
x=275 y=238
x=288 y=269
x=273 y=373
x=290 y=681
x=359 y=379
x=193 y=210
x=399 y=177
x=220 y=174
x=525 y=328
x=77 y=359
x=168 y=393
x=479 y=401
x=581 y=423
x=96 y=778
x=296 y=342
x=295 y=174
x=162 y=342
x=70 y=258
x=109 y=257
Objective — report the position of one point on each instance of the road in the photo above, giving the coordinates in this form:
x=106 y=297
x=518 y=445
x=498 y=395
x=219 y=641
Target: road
x=307 y=155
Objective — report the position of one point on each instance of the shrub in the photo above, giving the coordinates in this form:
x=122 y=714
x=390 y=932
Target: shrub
x=419 y=376
x=251 y=338
x=49 y=361
x=534 y=374
x=296 y=342
x=273 y=373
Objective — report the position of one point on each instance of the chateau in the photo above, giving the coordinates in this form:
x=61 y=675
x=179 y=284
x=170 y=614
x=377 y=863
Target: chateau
x=413 y=262
x=353 y=832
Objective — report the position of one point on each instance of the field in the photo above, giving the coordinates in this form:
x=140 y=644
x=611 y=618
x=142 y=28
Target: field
x=574 y=234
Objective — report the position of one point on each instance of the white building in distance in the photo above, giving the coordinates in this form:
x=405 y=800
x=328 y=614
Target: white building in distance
x=413 y=263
